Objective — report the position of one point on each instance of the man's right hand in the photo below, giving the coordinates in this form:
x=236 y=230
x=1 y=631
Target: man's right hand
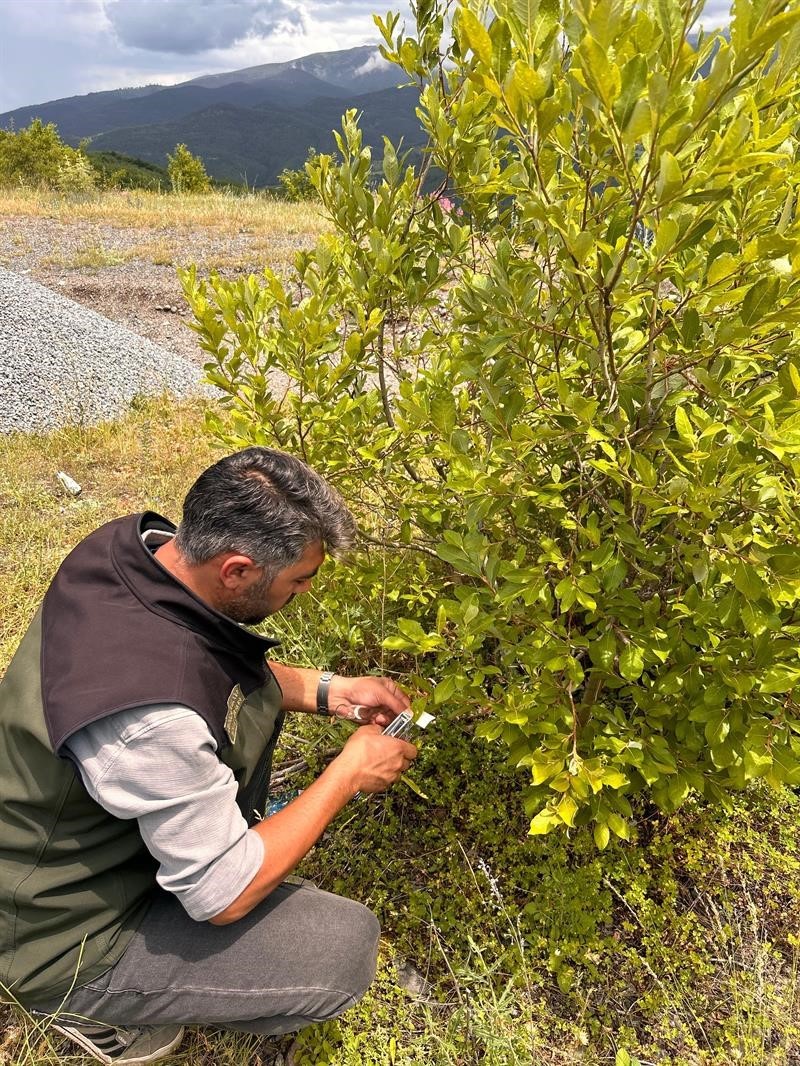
x=374 y=762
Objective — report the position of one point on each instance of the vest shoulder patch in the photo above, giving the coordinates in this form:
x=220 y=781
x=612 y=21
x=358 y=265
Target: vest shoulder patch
x=235 y=702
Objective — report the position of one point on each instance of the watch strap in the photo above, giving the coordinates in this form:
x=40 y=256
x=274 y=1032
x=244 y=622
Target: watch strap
x=322 y=692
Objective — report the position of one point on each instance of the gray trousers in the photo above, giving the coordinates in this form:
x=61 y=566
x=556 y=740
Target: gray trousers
x=301 y=956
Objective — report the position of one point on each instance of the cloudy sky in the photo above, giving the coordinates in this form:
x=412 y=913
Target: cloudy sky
x=55 y=48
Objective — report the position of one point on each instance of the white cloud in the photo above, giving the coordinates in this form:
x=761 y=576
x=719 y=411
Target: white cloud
x=716 y=13
x=375 y=62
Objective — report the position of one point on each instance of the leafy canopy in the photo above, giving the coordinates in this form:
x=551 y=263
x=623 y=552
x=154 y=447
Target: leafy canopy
x=569 y=391
x=37 y=157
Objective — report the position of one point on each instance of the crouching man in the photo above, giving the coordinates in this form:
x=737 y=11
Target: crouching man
x=139 y=887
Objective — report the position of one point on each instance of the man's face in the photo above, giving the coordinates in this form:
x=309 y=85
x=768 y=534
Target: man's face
x=263 y=597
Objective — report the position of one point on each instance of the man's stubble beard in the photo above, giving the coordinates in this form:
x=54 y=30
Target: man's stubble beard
x=248 y=608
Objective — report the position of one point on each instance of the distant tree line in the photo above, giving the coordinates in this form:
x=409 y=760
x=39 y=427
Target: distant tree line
x=36 y=157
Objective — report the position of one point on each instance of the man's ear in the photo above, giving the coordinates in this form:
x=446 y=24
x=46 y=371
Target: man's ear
x=236 y=571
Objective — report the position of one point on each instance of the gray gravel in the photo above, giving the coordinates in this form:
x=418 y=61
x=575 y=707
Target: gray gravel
x=62 y=363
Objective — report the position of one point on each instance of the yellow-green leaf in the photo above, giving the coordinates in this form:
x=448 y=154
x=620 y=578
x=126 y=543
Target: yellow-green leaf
x=476 y=35
x=544 y=822
x=619 y=827
x=529 y=83
x=603 y=75
x=670 y=176
x=567 y=809
x=631 y=662
x=602 y=835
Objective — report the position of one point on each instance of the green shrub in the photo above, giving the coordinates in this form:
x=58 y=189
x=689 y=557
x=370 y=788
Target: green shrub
x=567 y=394
x=187 y=173
x=36 y=156
x=297 y=185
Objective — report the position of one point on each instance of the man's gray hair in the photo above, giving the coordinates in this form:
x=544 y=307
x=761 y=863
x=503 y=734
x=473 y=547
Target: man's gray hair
x=264 y=504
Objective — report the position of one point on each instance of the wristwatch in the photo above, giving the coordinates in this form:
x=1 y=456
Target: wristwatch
x=322 y=692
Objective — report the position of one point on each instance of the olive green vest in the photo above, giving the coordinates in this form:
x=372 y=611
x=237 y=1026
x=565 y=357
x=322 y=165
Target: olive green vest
x=74 y=880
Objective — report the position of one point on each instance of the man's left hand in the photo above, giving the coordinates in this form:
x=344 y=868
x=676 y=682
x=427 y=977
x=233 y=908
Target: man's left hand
x=366 y=700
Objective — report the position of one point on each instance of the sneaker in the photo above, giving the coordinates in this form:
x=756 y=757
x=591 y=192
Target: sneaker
x=111 y=1044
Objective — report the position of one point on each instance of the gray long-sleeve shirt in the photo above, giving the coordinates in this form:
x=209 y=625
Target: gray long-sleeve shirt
x=158 y=764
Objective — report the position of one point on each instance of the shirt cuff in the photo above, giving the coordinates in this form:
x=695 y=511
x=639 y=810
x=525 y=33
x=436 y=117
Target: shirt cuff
x=224 y=880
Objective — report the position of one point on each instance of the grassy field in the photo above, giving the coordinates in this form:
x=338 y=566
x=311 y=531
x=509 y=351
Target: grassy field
x=214 y=212
x=499 y=949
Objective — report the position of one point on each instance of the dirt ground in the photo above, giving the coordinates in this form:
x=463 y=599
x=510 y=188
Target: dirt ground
x=129 y=274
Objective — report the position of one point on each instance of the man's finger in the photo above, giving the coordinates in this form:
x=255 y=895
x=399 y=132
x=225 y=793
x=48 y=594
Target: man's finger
x=395 y=698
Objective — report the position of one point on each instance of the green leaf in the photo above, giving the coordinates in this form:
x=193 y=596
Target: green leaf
x=619 y=827
x=781 y=677
x=684 y=426
x=690 y=326
x=603 y=75
x=640 y=122
x=603 y=651
x=602 y=835
x=666 y=235
x=759 y=300
x=700 y=570
x=529 y=83
x=757 y=764
x=723 y=267
x=614 y=779
x=645 y=470
x=717 y=729
x=476 y=35
x=634 y=77
x=501 y=47
x=670 y=177
x=631 y=662
x=443 y=413
x=748 y=582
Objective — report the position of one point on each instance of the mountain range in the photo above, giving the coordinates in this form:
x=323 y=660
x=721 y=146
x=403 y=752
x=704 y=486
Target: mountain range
x=246 y=125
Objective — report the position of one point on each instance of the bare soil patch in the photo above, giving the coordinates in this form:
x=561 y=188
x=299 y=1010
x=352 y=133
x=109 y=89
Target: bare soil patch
x=129 y=274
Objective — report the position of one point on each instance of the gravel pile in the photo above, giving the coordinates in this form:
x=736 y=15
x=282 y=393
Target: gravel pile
x=62 y=363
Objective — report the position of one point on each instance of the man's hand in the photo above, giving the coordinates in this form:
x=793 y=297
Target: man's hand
x=373 y=762
x=369 y=762
x=378 y=700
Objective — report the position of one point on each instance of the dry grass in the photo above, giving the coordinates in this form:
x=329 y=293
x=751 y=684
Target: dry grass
x=146 y=460
x=92 y=255
x=252 y=213
x=172 y=252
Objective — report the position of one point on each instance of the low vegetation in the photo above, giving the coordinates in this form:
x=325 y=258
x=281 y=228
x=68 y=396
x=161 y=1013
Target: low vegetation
x=680 y=948
x=187 y=174
x=217 y=212
x=296 y=185
x=116 y=171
